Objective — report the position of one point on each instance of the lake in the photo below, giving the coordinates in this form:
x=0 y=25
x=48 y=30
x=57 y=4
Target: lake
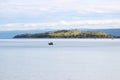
x=67 y=59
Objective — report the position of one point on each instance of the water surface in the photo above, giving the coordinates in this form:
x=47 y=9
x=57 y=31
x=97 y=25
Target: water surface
x=67 y=59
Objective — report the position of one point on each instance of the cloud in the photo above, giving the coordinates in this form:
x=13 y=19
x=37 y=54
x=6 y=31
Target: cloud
x=67 y=14
x=45 y=6
x=91 y=24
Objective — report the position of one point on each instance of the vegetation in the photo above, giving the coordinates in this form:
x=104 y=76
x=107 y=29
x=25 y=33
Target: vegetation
x=67 y=34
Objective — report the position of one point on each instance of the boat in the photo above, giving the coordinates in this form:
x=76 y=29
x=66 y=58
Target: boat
x=50 y=43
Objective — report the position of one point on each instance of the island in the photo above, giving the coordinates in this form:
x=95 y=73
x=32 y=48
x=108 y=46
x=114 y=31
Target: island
x=67 y=34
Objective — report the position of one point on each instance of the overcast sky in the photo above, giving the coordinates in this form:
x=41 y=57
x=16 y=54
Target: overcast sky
x=59 y=14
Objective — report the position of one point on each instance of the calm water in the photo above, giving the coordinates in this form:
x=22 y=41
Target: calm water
x=70 y=59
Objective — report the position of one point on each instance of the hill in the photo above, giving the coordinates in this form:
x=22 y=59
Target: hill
x=67 y=34
x=115 y=32
x=11 y=34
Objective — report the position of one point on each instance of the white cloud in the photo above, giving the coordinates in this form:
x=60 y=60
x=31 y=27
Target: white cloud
x=39 y=6
x=94 y=24
x=44 y=10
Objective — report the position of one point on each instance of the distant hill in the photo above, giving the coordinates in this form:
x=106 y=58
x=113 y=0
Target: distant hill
x=115 y=32
x=11 y=34
x=67 y=34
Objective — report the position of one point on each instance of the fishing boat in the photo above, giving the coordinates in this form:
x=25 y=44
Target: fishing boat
x=50 y=43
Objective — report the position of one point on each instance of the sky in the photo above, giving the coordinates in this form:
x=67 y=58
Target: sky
x=59 y=14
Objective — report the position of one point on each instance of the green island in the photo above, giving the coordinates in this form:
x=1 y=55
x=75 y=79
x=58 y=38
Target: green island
x=67 y=34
